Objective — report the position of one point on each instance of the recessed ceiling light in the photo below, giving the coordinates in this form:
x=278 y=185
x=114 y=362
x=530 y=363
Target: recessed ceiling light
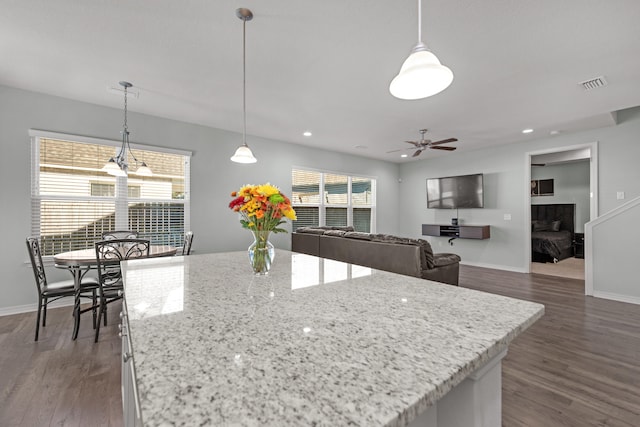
x=307 y=133
x=527 y=131
x=404 y=155
x=554 y=132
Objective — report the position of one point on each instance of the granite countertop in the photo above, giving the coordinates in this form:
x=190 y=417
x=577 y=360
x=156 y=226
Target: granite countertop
x=316 y=342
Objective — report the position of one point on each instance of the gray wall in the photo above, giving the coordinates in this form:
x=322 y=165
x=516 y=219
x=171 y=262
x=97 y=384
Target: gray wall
x=505 y=189
x=213 y=176
x=570 y=185
x=615 y=274
x=401 y=206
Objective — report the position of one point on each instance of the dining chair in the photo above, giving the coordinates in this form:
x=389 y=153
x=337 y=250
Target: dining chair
x=109 y=253
x=188 y=240
x=122 y=234
x=52 y=291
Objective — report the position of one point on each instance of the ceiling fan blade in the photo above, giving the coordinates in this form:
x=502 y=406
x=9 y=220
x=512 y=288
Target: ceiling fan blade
x=417 y=153
x=443 y=148
x=415 y=144
x=444 y=141
x=395 y=151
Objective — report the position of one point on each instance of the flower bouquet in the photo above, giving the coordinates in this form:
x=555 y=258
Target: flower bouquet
x=262 y=208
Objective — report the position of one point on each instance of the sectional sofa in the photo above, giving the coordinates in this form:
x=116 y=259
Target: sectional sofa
x=412 y=257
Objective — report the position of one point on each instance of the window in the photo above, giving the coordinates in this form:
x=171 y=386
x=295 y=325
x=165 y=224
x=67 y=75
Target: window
x=73 y=202
x=329 y=199
x=99 y=189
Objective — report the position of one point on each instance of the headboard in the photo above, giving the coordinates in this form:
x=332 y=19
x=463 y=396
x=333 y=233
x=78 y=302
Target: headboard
x=566 y=213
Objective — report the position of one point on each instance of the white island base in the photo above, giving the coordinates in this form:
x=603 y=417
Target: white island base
x=475 y=402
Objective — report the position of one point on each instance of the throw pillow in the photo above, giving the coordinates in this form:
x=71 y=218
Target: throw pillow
x=357 y=235
x=310 y=230
x=541 y=226
x=555 y=225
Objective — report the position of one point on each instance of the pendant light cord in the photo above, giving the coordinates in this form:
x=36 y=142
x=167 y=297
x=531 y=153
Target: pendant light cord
x=125 y=110
x=244 y=83
x=125 y=133
x=419 y=21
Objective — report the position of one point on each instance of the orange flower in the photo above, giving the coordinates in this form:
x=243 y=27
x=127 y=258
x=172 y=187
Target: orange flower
x=262 y=207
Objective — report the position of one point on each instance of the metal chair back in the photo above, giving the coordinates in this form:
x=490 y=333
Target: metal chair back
x=188 y=240
x=109 y=254
x=33 y=246
x=122 y=234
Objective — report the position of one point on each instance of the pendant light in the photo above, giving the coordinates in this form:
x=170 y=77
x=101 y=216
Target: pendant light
x=118 y=166
x=421 y=75
x=243 y=154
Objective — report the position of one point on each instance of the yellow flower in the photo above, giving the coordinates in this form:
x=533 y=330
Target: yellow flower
x=290 y=213
x=267 y=190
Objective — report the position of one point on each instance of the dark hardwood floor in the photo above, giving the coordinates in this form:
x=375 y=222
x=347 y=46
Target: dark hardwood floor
x=57 y=381
x=577 y=366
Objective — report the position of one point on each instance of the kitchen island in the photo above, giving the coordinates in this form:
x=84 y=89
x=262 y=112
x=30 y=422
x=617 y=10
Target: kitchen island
x=316 y=342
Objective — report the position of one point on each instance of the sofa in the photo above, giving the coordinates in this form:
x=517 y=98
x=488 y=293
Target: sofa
x=412 y=257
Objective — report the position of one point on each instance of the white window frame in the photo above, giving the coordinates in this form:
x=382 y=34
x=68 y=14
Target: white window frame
x=121 y=201
x=323 y=205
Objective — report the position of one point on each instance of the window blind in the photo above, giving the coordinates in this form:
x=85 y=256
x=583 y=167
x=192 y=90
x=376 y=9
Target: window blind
x=74 y=201
x=324 y=198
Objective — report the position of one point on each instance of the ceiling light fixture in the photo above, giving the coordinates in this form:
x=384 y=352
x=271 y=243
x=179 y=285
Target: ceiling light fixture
x=243 y=154
x=421 y=75
x=118 y=166
x=527 y=131
x=307 y=133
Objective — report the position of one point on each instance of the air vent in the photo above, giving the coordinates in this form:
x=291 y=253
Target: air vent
x=593 y=83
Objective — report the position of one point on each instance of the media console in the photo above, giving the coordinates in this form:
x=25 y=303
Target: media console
x=457 y=231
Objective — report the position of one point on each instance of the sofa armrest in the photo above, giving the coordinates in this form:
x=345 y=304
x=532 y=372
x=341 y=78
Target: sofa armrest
x=444 y=274
x=443 y=259
x=306 y=243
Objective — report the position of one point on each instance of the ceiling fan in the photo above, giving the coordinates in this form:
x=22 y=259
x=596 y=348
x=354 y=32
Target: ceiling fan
x=423 y=144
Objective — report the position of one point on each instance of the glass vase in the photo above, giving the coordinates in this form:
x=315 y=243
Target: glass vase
x=261 y=252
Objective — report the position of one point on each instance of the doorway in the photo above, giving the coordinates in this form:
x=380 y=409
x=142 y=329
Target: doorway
x=578 y=160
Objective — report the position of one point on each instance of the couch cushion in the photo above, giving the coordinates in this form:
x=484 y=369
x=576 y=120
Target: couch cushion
x=427 y=252
x=345 y=228
x=357 y=235
x=335 y=233
x=310 y=230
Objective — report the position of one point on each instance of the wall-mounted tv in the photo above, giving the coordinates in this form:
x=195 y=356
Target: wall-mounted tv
x=454 y=192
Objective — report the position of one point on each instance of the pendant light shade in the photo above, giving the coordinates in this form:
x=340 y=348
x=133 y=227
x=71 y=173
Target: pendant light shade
x=421 y=75
x=112 y=168
x=243 y=154
x=144 y=170
x=118 y=165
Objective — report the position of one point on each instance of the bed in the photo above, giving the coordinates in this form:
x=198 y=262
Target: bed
x=552 y=232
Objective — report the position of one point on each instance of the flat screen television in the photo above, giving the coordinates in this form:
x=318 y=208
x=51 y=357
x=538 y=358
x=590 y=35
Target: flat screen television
x=454 y=192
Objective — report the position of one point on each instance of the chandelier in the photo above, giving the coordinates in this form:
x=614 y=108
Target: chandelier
x=118 y=165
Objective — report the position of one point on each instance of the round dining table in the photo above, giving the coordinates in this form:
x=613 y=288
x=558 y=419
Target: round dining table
x=80 y=261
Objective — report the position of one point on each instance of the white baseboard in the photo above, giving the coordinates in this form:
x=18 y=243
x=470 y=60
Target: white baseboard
x=617 y=297
x=27 y=308
x=495 y=267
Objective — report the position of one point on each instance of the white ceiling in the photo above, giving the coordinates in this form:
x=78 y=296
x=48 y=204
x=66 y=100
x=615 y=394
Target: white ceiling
x=325 y=66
